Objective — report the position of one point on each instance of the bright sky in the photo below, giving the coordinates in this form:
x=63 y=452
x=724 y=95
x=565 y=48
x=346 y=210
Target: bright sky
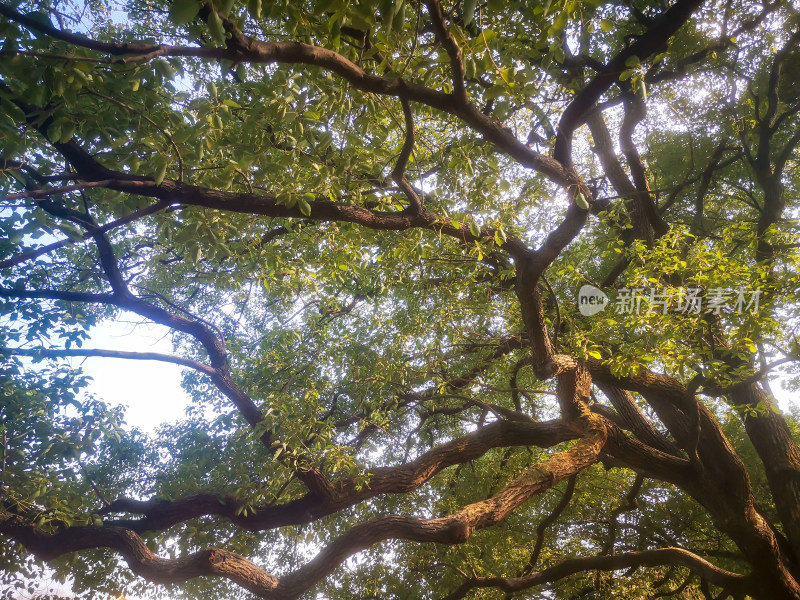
x=151 y=390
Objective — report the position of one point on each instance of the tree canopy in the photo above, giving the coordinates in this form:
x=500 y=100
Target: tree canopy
x=366 y=226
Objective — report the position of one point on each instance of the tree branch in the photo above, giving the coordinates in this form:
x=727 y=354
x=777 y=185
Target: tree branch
x=541 y=528
x=452 y=529
x=398 y=173
x=629 y=505
x=91 y=352
x=645 y=558
x=242 y=49
x=645 y=45
x=37 y=252
x=451 y=46
x=160 y=515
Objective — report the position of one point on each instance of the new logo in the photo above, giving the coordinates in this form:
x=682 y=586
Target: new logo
x=591 y=300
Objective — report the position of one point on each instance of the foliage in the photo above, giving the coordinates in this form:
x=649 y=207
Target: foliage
x=365 y=225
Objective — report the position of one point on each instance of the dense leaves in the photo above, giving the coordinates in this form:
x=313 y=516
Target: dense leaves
x=366 y=225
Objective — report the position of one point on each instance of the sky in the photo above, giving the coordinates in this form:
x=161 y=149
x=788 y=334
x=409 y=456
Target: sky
x=150 y=390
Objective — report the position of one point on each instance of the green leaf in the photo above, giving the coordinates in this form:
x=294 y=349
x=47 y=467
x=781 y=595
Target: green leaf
x=182 y=12
x=67 y=131
x=216 y=27
x=254 y=8
x=580 y=201
x=641 y=88
x=399 y=16
x=387 y=10
x=627 y=74
x=160 y=164
x=166 y=69
x=468 y=11
x=54 y=131
x=304 y=206
x=632 y=61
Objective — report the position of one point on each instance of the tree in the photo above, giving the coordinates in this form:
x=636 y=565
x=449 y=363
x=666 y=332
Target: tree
x=366 y=227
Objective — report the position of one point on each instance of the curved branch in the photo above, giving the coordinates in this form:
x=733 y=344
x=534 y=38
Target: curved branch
x=137 y=555
x=447 y=40
x=645 y=558
x=541 y=528
x=241 y=49
x=612 y=167
x=635 y=111
x=629 y=505
x=634 y=420
x=408 y=142
x=398 y=173
x=452 y=529
x=90 y=352
x=645 y=45
x=175 y=192
x=159 y=515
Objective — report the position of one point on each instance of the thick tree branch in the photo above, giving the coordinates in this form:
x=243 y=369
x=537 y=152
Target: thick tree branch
x=645 y=45
x=141 y=560
x=635 y=111
x=646 y=558
x=635 y=421
x=612 y=167
x=160 y=515
x=452 y=529
x=451 y=46
x=243 y=49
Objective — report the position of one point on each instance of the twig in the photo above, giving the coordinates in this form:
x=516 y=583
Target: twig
x=547 y=521
x=31 y=254
x=92 y=483
x=97 y=352
x=35 y=194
